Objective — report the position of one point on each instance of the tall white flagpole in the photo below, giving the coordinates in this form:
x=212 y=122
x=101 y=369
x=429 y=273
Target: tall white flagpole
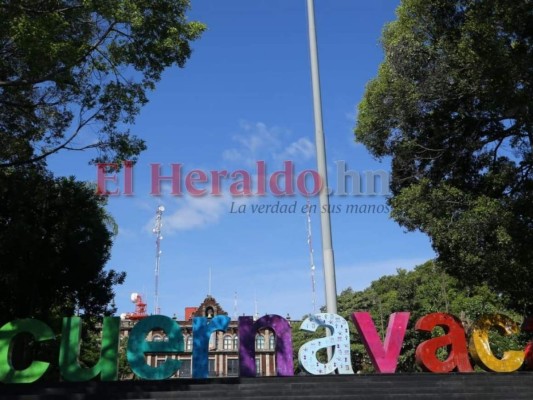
x=325 y=223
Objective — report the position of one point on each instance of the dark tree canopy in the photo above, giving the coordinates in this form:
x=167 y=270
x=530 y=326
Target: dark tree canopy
x=69 y=64
x=452 y=106
x=55 y=239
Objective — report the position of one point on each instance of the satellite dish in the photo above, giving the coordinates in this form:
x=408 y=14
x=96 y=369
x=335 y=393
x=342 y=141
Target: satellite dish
x=134 y=297
x=123 y=316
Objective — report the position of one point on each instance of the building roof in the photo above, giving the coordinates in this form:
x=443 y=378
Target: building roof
x=209 y=308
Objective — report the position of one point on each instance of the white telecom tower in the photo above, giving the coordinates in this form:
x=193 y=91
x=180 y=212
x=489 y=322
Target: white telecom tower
x=311 y=254
x=157 y=232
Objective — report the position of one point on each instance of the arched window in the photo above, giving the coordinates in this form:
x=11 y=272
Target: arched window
x=228 y=342
x=236 y=342
x=188 y=343
x=213 y=341
x=272 y=341
x=259 y=342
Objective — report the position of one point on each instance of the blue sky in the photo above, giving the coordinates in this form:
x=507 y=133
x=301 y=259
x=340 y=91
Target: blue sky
x=245 y=95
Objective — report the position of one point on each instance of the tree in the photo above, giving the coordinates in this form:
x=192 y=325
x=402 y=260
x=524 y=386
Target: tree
x=68 y=64
x=124 y=369
x=451 y=106
x=422 y=291
x=54 y=244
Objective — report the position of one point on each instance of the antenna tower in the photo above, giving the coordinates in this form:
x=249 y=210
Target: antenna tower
x=311 y=254
x=157 y=232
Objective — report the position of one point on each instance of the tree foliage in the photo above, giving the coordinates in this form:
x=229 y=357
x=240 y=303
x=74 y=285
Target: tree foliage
x=54 y=244
x=422 y=291
x=124 y=369
x=451 y=105
x=69 y=64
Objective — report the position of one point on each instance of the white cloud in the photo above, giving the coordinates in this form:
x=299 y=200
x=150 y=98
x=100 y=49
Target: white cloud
x=197 y=212
x=254 y=142
x=258 y=136
x=302 y=148
x=258 y=141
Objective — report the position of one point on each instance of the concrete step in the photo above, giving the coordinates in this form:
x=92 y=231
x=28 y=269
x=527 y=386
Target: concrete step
x=331 y=387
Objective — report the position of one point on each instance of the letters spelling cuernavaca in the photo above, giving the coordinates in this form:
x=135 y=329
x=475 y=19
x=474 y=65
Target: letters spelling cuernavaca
x=384 y=355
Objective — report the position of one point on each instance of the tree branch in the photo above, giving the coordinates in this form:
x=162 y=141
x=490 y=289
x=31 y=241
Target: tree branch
x=52 y=74
x=63 y=145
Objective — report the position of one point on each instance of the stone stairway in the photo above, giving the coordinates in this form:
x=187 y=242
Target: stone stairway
x=376 y=386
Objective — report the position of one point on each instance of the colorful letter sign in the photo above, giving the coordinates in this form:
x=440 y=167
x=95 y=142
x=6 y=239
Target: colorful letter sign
x=454 y=339
x=247 y=331
x=202 y=329
x=480 y=346
x=339 y=338
x=138 y=347
x=107 y=365
x=40 y=332
x=384 y=357
x=527 y=326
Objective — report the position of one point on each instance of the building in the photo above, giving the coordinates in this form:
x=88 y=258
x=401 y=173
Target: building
x=223 y=346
